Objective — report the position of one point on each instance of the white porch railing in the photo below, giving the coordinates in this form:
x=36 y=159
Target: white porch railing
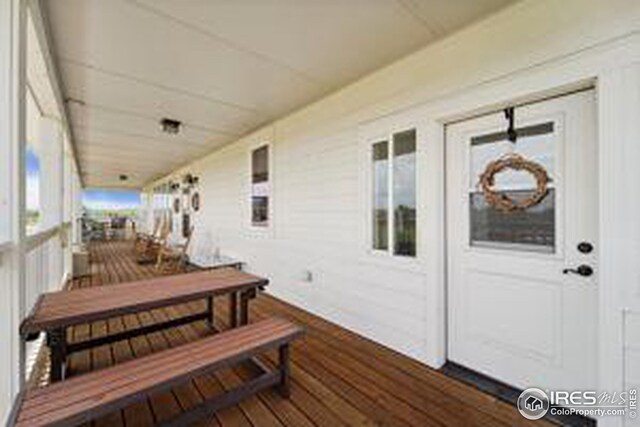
x=46 y=269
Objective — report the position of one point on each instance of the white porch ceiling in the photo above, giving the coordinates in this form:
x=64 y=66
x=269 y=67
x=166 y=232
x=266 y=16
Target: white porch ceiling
x=222 y=67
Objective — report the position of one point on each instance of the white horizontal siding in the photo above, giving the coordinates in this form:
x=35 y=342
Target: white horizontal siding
x=316 y=227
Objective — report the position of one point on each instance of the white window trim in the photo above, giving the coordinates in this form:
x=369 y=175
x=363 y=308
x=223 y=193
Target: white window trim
x=266 y=229
x=371 y=134
x=390 y=220
x=6 y=167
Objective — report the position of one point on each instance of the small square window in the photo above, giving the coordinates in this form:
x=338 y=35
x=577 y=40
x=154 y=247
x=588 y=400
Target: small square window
x=260 y=210
x=260 y=186
x=260 y=165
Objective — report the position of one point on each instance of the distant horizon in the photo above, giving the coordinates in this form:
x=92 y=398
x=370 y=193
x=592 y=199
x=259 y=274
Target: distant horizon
x=110 y=200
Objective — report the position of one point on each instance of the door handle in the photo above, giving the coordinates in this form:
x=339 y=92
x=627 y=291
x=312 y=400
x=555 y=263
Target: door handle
x=582 y=270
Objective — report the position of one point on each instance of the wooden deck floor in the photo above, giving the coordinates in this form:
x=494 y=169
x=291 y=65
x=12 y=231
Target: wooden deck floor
x=338 y=377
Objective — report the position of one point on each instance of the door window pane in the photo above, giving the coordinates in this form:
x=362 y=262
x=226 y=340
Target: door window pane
x=533 y=143
x=404 y=193
x=532 y=229
x=381 y=195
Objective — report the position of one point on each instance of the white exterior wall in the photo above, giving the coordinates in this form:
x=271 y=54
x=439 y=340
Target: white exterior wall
x=534 y=48
x=619 y=225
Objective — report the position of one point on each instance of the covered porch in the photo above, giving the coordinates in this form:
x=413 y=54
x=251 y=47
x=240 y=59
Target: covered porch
x=441 y=194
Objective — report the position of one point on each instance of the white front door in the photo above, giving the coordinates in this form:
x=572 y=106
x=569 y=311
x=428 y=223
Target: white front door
x=514 y=313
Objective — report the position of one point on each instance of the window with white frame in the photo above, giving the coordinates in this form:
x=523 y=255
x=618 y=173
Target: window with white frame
x=393 y=205
x=260 y=186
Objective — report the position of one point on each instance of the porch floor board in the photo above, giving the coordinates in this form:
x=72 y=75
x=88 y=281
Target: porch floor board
x=338 y=377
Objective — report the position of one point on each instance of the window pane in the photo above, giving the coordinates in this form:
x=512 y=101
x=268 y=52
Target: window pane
x=404 y=193
x=260 y=189
x=259 y=210
x=35 y=180
x=534 y=143
x=533 y=229
x=34 y=213
x=260 y=165
x=381 y=195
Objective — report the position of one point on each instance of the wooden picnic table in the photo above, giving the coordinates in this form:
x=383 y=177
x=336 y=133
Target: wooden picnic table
x=54 y=312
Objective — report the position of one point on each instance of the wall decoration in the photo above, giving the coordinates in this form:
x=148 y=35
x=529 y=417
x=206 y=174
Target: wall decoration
x=195 y=201
x=186 y=225
x=190 y=202
x=513 y=161
x=190 y=179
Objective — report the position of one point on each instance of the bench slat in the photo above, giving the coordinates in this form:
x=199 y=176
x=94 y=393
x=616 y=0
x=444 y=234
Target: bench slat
x=103 y=391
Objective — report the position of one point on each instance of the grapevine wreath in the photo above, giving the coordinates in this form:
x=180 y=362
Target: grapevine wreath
x=501 y=201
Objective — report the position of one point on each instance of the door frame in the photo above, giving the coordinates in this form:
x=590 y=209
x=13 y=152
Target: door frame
x=560 y=253
x=472 y=104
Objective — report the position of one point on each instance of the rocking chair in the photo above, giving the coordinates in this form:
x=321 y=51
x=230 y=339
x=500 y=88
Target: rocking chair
x=149 y=252
x=142 y=239
x=172 y=259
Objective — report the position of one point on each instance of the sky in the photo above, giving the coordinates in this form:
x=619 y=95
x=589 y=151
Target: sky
x=33 y=184
x=91 y=199
x=110 y=199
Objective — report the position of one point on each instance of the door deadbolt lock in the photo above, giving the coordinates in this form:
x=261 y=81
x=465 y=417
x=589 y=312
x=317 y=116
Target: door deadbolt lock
x=582 y=270
x=585 y=247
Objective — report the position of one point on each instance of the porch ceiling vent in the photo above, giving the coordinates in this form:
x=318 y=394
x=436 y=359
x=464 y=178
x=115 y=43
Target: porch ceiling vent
x=170 y=126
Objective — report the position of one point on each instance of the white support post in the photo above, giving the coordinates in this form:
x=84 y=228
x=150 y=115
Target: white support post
x=12 y=214
x=66 y=212
x=18 y=141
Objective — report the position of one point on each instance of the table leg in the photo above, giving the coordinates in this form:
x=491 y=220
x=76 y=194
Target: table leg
x=57 y=343
x=245 y=297
x=210 y=310
x=283 y=361
x=233 y=309
x=244 y=307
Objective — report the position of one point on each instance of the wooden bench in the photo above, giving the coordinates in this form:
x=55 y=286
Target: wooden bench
x=97 y=393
